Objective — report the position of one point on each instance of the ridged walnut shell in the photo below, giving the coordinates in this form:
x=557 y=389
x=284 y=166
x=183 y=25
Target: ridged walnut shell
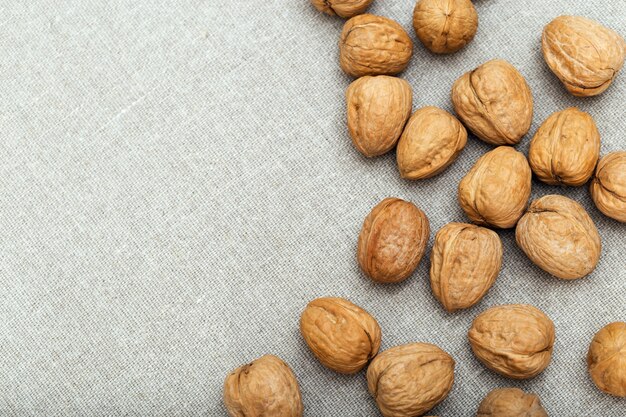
x=343 y=336
x=393 y=240
x=608 y=188
x=565 y=149
x=583 y=54
x=514 y=340
x=511 y=402
x=432 y=139
x=607 y=359
x=494 y=102
x=408 y=380
x=558 y=235
x=342 y=8
x=496 y=190
x=445 y=26
x=378 y=108
x=266 y=387
x=373 y=45
x=464 y=264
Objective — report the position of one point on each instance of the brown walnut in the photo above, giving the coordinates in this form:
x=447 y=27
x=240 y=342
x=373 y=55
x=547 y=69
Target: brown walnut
x=342 y=8
x=514 y=340
x=511 y=402
x=608 y=188
x=343 y=336
x=445 y=26
x=408 y=380
x=607 y=359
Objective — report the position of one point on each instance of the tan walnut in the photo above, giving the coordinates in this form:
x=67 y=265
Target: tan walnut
x=266 y=387
x=514 y=340
x=373 y=45
x=565 y=149
x=378 y=108
x=343 y=336
x=606 y=359
x=408 y=380
x=511 y=402
x=583 y=54
x=608 y=188
x=494 y=102
x=392 y=240
x=342 y=8
x=445 y=26
x=496 y=190
x=464 y=264
x=558 y=235
x=432 y=139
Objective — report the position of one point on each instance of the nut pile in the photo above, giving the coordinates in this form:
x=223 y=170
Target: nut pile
x=495 y=104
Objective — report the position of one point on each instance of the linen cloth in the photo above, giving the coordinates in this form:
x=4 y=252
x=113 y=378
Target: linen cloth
x=177 y=182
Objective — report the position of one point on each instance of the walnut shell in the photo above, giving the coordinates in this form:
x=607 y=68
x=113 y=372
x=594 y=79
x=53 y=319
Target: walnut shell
x=607 y=359
x=342 y=8
x=565 y=149
x=265 y=387
x=558 y=235
x=445 y=26
x=464 y=264
x=408 y=380
x=608 y=188
x=511 y=402
x=583 y=54
x=393 y=240
x=378 y=108
x=432 y=139
x=373 y=45
x=343 y=336
x=496 y=190
x=514 y=340
x=494 y=102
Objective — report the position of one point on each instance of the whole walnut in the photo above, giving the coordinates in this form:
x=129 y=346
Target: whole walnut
x=583 y=54
x=445 y=26
x=607 y=359
x=378 y=108
x=265 y=387
x=494 y=102
x=432 y=139
x=343 y=336
x=514 y=340
x=608 y=188
x=565 y=149
x=408 y=380
x=393 y=240
x=464 y=264
x=373 y=45
x=558 y=235
x=342 y=8
x=496 y=190
x=511 y=402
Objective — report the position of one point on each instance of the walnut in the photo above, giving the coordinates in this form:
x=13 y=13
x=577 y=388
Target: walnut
x=393 y=240
x=342 y=8
x=265 y=387
x=378 y=108
x=608 y=188
x=445 y=26
x=514 y=340
x=607 y=359
x=558 y=235
x=432 y=139
x=494 y=102
x=565 y=149
x=583 y=54
x=511 y=402
x=497 y=188
x=408 y=380
x=343 y=336
x=464 y=264
x=372 y=45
